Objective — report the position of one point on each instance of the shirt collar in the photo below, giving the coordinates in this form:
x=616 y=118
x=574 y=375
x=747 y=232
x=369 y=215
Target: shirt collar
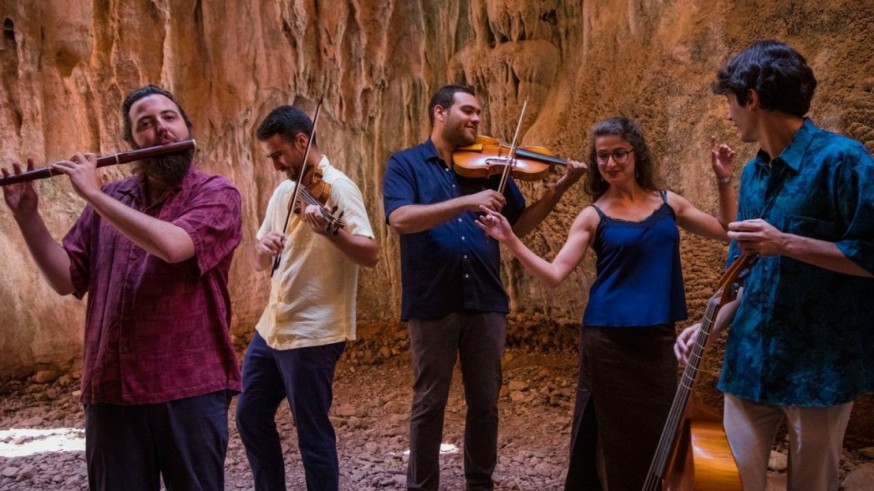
x=429 y=152
x=793 y=154
x=323 y=164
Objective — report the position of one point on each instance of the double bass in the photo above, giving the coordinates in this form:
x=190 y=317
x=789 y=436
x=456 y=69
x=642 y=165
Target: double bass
x=693 y=451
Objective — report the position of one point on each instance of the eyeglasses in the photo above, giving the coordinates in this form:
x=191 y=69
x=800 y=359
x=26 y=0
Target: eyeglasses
x=620 y=155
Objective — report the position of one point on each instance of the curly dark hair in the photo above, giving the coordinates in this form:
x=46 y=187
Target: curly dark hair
x=629 y=131
x=778 y=74
x=141 y=93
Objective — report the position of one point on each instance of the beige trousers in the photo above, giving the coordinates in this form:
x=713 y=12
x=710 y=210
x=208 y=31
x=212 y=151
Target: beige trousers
x=815 y=442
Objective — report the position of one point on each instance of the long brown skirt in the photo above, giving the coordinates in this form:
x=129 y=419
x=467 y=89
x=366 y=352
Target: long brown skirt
x=627 y=381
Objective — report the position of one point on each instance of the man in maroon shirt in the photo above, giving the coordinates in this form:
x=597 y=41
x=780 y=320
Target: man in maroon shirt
x=153 y=253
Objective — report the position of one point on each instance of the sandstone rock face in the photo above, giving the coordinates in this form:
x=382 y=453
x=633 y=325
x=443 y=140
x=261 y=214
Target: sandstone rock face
x=66 y=67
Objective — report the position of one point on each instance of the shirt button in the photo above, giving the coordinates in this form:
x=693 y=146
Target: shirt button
x=464 y=256
x=466 y=276
x=462 y=237
x=459 y=220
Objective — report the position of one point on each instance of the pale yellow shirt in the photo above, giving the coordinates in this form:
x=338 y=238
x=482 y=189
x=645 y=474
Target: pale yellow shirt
x=312 y=294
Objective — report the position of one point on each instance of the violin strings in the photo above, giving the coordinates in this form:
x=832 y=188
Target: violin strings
x=309 y=198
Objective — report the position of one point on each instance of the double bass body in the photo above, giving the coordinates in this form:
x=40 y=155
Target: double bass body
x=702 y=459
x=693 y=451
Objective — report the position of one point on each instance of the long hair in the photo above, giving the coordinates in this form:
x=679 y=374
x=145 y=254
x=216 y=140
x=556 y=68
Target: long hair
x=630 y=131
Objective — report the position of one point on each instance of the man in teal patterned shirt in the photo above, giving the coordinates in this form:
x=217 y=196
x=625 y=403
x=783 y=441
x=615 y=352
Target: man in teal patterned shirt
x=801 y=346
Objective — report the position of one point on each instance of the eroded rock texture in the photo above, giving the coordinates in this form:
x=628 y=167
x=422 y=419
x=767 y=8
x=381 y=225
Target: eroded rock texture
x=67 y=65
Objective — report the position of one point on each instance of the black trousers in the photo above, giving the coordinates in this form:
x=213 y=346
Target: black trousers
x=304 y=377
x=626 y=385
x=133 y=447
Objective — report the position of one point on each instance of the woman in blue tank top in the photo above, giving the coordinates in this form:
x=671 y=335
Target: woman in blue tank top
x=628 y=371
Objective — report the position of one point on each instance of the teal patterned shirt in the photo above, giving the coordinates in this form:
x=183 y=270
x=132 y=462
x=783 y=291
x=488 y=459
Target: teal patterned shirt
x=804 y=336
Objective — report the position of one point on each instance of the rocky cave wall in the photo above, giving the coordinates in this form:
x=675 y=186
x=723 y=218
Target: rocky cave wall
x=66 y=67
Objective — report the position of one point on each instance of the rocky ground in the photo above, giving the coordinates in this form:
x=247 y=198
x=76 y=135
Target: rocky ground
x=371 y=413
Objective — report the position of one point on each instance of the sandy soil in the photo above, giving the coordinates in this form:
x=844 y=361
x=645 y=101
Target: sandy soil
x=371 y=414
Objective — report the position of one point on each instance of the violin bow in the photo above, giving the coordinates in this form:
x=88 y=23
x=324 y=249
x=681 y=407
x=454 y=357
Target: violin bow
x=511 y=158
x=300 y=175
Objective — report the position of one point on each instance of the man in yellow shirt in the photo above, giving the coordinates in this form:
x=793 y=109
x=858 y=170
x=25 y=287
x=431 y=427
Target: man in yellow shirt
x=311 y=311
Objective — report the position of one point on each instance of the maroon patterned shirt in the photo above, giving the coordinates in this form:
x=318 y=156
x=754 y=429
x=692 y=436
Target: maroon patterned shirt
x=156 y=332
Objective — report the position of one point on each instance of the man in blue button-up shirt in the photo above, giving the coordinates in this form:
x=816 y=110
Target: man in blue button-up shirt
x=802 y=341
x=452 y=291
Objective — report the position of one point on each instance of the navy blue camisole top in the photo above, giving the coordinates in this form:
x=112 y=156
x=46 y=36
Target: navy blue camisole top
x=639 y=282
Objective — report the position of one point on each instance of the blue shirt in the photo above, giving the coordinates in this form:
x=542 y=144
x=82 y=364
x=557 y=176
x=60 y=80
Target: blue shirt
x=454 y=266
x=640 y=280
x=804 y=335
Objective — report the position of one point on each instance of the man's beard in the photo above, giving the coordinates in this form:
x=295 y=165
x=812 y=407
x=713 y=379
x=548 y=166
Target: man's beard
x=169 y=169
x=457 y=137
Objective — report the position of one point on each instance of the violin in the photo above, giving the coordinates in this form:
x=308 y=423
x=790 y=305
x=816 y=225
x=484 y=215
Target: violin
x=317 y=193
x=488 y=156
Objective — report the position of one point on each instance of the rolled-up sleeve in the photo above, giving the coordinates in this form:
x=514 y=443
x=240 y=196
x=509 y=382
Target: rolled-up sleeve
x=856 y=194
